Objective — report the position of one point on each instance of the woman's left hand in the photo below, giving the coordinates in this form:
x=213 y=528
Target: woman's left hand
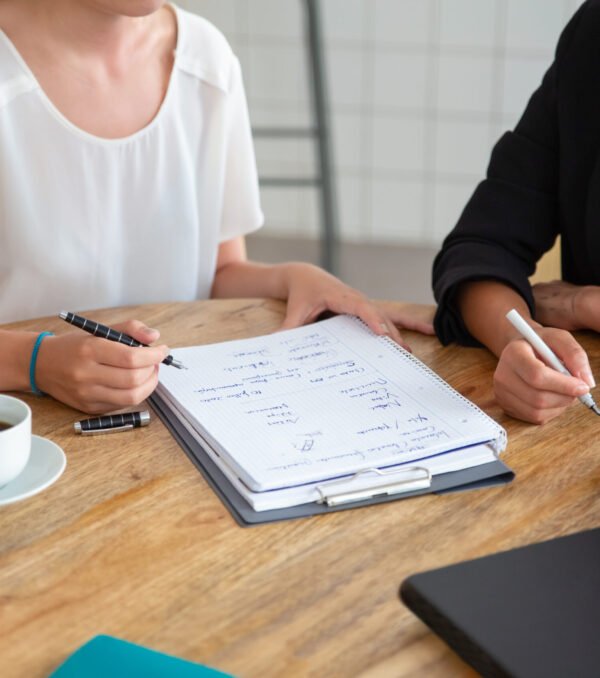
x=570 y=307
x=415 y=317
x=311 y=291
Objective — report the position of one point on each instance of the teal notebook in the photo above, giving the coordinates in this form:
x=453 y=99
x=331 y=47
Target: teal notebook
x=107 y=656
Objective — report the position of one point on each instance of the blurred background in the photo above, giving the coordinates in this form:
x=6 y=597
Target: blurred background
x=418 y=92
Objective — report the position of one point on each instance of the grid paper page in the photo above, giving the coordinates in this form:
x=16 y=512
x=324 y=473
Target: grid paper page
x=319 y=402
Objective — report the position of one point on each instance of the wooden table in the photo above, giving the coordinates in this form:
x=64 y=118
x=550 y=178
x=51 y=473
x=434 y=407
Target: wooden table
x=132 y=542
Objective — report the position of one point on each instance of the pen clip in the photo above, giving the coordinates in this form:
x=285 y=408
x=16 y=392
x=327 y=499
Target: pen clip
x=111 y=429
x=419 y=478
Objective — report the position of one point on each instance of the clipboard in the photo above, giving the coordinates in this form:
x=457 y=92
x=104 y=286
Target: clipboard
x=403 y=486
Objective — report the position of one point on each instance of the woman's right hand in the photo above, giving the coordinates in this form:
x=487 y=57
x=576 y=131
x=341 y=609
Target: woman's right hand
x=526 y=388
x=95 y=375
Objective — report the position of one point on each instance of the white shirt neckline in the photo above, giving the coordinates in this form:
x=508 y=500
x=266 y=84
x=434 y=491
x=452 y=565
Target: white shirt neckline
x=75 y=129
x=156 y=210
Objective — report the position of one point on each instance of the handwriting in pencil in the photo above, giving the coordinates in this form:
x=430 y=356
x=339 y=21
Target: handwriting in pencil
x=360 y=412
x=307 y=442
x=246 y=366
x=246 y=354
x=214 y=389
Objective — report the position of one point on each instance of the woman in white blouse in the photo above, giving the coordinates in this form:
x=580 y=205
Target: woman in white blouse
x=127 y=175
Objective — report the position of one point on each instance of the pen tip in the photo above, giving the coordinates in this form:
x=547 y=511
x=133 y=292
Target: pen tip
x=595 y=409
x=63 y=315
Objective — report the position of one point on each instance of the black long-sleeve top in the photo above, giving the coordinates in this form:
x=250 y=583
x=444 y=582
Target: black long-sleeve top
x=543 y=179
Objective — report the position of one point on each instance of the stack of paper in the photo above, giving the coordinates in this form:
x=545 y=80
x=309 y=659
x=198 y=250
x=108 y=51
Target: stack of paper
x=293 y=417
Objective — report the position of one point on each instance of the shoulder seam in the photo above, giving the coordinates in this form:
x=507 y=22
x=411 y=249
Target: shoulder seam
x=203 y=51
x=15 y=87
x=194 y=67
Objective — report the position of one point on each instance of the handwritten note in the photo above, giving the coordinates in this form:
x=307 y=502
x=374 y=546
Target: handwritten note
x=318 y=402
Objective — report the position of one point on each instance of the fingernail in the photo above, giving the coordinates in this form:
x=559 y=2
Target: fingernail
x=582 y=388
x=384 y=328
x=588 y=377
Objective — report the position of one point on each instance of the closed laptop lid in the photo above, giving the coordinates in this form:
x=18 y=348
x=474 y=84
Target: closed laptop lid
x=529 y=612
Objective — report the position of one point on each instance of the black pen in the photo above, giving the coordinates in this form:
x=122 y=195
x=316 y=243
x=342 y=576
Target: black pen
x=105 y=332
x=112 y=423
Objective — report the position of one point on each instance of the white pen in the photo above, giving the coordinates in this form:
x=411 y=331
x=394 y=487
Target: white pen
x=545 y=352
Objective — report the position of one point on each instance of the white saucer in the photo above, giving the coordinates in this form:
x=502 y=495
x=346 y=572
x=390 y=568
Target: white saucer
x=46 y=464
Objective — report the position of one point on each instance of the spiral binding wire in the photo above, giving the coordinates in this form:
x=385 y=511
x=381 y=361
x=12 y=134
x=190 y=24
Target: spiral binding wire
x=499 y=444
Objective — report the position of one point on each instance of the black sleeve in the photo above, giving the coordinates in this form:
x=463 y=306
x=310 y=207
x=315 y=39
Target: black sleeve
x=512 y=217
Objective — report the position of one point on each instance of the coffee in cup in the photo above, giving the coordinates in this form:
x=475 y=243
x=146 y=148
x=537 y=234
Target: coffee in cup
x=15 y=437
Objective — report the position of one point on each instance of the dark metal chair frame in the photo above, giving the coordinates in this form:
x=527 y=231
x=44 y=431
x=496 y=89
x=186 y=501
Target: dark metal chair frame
x=320 y=133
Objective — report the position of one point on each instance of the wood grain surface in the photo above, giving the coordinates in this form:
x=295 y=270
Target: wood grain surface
x=132 y=542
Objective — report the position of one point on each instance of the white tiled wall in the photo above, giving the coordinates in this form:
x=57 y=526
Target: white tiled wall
x=419 y=92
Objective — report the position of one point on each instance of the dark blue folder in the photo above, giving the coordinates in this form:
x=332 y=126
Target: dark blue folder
x=486 y=475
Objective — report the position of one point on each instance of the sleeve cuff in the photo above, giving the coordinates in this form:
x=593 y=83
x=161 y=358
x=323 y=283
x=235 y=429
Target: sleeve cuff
x=448 y=321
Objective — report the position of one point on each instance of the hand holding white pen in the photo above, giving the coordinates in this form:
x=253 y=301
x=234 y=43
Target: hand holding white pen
x=545 y=353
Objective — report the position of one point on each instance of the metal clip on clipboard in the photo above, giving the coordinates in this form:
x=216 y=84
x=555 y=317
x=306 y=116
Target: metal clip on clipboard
x=419 y=478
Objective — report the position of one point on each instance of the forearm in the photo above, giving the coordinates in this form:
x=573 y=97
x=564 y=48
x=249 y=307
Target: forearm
x=484 y=305
x=15 y=356
x=570 y=307
x=245 y=279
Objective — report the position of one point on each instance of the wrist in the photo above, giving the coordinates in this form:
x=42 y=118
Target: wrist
x=563 y=305
x=16 y=358
x=36 y=372
x=483 y=305
x=289 y=273
x=283 y=275
x=581 y=302
x=246 y=279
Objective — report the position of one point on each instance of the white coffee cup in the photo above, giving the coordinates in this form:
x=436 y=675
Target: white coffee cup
x=15 y=440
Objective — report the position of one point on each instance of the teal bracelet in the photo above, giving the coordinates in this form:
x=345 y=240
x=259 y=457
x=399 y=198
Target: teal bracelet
x=34 y=355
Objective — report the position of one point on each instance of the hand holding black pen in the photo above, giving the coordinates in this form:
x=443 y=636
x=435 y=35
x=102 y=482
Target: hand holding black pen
x=105 y=332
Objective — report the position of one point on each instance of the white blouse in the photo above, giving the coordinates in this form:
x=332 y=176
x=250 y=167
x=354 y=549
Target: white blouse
x=88 y=222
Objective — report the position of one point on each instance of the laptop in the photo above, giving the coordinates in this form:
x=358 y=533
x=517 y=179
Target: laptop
x=530 y=612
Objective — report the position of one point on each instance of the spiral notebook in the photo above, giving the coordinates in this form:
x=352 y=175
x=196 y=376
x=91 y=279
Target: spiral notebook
x=325 y=415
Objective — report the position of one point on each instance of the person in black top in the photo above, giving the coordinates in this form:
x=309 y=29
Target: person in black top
x=543 y=180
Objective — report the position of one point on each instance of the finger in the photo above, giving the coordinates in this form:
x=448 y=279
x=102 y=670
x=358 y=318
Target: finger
x=389 y=328
x=422 y=326
x=537 y=374
x=515 y=407
x=118 y=377
x=533 y=398
x=520 y=383
x=572 y=355
x=393 y=332
x=138 y=330
x=114 y=354
x=96 y=398
x=351 y=303
x=298 y=315
x=377 y=321
x=416 y=317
